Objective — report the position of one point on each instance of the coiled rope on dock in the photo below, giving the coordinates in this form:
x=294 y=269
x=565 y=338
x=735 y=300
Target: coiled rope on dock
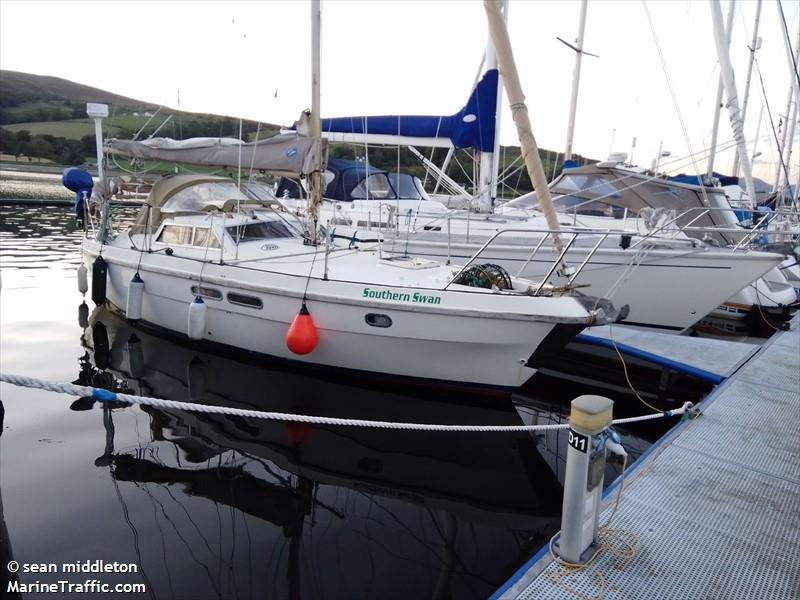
x=104 y=395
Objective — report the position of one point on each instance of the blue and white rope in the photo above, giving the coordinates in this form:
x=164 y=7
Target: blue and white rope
x=103 y=395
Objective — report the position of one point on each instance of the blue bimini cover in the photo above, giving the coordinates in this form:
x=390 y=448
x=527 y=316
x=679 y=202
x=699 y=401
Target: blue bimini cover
x=471 y=127
x=347 y=174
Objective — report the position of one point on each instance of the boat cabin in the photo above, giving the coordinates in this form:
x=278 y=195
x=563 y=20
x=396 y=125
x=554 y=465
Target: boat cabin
x=349 y=180
x=191 y=212
x=611 y=190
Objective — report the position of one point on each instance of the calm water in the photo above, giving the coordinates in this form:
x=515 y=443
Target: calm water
x=224 y=507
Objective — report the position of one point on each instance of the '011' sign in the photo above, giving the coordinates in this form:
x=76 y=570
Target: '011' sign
x=578 y=441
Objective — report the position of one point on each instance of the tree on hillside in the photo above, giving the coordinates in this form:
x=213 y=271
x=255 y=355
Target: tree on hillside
x=8 y=142
x=23 y=137
x=39 y=147
x=89 y=145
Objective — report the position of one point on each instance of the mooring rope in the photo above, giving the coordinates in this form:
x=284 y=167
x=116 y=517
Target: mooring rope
x=103 y=395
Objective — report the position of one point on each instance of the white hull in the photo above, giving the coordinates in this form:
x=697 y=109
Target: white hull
x=770 y=293
x=670 y=288
x=466 y=337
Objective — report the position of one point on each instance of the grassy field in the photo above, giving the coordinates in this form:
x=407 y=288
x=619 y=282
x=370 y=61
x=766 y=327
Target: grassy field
x=77 y=128
x=24 y=160
x=131 y=121
x=74 y=130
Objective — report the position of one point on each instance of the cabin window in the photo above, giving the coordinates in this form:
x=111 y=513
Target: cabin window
x=244 y=300
x=259 y=230
x=204 y=238
x=407 y=186
x=199 y=197
x=376 y=320
x=179 y=235
x=378 y=186
x=585 y=186
x=381 y=224
x=206 y=292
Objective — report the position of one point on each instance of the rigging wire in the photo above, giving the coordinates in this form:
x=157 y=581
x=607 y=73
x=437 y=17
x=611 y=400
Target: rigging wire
x=154 y=502
x=672 y=94
x=108 y=423
x=788 y=42
x=769 y=114
x=186 y=543
x=253 y=157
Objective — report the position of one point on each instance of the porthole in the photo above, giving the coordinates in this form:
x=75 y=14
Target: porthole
x=376 y=320
x=206 y=292
x=244 y=300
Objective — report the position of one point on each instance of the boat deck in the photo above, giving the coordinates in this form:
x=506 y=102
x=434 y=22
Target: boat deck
x=713 y=509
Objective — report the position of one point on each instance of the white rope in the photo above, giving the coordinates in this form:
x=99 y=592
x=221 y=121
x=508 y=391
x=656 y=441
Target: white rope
x=105 y=395
x=635 y=261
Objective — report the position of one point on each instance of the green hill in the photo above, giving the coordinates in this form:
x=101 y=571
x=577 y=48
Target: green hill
x=19 y=88
x=53 y=106
x=45 y=117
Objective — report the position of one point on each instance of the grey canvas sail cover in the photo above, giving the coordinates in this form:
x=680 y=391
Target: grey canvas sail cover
x=587 y=189
x=286 y=155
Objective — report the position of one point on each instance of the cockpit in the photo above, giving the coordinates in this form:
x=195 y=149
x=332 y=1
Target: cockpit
x=202 y=212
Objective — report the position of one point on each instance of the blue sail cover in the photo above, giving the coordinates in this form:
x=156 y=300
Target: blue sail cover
x=761 y=186
x=473 y=126
x=347 y=174
x=698 y=179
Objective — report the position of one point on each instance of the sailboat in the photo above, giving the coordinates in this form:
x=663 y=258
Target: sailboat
x=600 y=204
x=617 y=255
x=207 y=262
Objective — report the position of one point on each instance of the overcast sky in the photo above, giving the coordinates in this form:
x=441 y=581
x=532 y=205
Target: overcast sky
x=415 y=57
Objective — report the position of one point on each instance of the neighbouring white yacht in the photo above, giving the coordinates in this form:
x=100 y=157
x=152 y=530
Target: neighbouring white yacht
x=669 y=279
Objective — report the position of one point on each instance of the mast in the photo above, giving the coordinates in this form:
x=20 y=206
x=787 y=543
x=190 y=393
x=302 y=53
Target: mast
x=516 y=100
x=490 y=163
x=576 y=78
x=755 y=141
x=315 y=125
x=794 y=91
x=789 y=145
x=721 y=40
x=754 y=45
x=718 y=107
x=782 y=142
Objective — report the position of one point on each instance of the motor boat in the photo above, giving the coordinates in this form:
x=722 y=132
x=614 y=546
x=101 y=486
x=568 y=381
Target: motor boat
x=205 y=261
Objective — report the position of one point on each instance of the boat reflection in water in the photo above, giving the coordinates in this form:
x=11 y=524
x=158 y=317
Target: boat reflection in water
x=365 y=512
x=5 y=541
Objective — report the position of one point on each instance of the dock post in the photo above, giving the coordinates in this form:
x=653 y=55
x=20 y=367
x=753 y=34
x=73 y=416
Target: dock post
x=589 y=417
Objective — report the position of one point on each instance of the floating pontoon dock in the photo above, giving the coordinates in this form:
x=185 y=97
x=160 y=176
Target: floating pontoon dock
x=713 y=508
x=706 y=358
